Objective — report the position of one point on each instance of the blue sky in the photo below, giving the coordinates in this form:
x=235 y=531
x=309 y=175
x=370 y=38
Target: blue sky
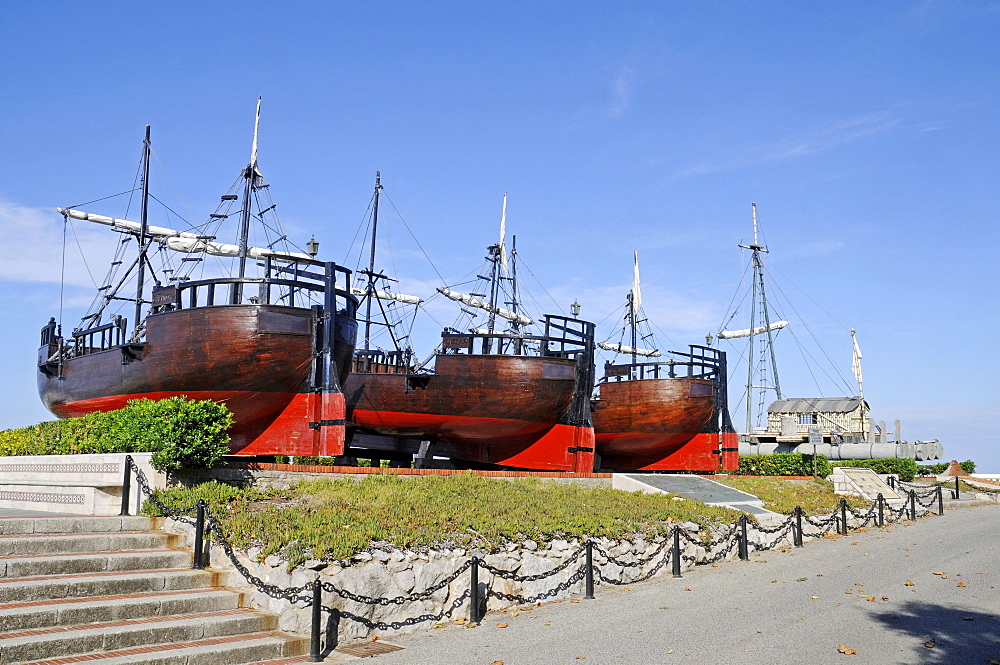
x=866 y=133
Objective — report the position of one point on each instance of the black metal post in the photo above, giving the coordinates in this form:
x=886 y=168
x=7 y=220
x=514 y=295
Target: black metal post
x=843 y=516
x=675 y=552
x=880 y=500
x=892 y=481
x=315 y=655
x=913 y=505
x=797 y=530
x=199 y=533
x=940 y=498
x=474 y=600
x=957 y=494
x=744 y=545
x=589 y=595
x=126 y=485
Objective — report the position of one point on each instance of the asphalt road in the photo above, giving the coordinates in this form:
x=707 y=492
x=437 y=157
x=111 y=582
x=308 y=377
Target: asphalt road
x=883 y=593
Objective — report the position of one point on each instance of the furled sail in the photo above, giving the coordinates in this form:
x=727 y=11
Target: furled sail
x=732 y=334
x=473 y=301
x=636 y=297
x=621 y=348
x=183 y=241
x=388 y=295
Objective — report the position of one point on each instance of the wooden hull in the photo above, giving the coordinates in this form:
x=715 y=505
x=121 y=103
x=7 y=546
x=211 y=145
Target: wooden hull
x=497 y=409
x=256 y=359
x=638 y=424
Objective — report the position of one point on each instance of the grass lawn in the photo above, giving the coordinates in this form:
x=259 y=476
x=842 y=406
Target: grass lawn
x=335 y=519
x=782 y=495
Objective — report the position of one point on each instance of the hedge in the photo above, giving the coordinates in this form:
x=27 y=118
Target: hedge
x=784 y=464
x=906 y=469
x=181 y=433
x=937 y=469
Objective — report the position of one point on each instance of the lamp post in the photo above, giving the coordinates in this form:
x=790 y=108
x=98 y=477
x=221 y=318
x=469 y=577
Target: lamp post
x=312 y=247
x=575 y=308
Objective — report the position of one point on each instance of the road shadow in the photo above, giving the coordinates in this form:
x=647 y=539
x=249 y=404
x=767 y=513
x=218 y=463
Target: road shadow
x=959 y=637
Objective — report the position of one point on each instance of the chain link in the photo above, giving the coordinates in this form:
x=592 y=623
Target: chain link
x=511 y=575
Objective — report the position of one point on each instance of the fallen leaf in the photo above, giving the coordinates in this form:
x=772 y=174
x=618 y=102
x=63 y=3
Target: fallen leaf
x=909 y=583
x=514 y=613
x=460 y=621
x=533 y=616
x=815 y=597
x=844 y=650
x=872 y=599
x=373 y=638
x=497 y=662
x=687 y=588
x=581 y=658
x=937 y=573
x=962 y=584
x=626 y=589
x=575 y=600
x=502 y=625
x=849 y=592
x=930 y=643
x=715 y=565
x=885 y=597
x=854 y=543
x=907 y=549
x=867 y=554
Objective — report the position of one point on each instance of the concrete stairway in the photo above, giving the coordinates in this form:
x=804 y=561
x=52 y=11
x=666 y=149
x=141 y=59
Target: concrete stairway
x=109 y=590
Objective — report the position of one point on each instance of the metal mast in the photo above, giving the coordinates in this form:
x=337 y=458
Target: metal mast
x=144 y=225
x=757 y=285
x=371 y=265
x=250 y=174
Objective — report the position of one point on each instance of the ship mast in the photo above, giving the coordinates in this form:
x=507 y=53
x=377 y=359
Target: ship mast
x=143 y=227
x=371 y=265
x=250 y=174
x=757 y=286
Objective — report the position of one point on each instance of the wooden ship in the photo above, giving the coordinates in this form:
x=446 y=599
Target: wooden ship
x=492 y=397
x=275 y=346
x=662 y=415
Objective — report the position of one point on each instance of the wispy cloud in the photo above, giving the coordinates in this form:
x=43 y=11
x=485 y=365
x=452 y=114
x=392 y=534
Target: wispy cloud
x=33 y=247
x=621 y=92
x=796 y=146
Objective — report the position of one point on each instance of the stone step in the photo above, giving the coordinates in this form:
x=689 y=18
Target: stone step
x=73 y=611
x=230 y=650
x=73 y=543
x=63 y=524
x=49 y=587
x=79 y=563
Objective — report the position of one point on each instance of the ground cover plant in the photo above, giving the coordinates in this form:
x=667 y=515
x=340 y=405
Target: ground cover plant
x=815 y=496
x=335 y=519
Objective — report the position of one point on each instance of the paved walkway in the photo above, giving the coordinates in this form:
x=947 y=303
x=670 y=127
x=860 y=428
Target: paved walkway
x=885 y=593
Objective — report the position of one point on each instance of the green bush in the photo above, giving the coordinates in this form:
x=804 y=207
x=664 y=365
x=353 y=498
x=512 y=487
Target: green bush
x=906 y=469
x=784 y=464
x=968 y=466
x=937 y=469
x=181 y=434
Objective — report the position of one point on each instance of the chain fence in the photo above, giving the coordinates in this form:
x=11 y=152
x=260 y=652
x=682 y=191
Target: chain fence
x=744 y=536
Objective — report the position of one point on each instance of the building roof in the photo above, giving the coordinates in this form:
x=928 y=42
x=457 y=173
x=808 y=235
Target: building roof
x=815 y=405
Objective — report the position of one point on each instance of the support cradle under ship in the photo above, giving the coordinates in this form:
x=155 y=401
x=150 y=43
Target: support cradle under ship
x=662 y=415
x=493 y=397
x=275 y=347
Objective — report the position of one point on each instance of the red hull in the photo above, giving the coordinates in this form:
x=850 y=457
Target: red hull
x=649 y=423
x=496 y=409
x=254 y=358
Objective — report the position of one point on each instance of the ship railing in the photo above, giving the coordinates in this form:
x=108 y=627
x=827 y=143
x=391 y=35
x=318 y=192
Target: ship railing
x=699 y=363
x=378 y=361
x=287 y=285
x=560 y=339
x=100 y=338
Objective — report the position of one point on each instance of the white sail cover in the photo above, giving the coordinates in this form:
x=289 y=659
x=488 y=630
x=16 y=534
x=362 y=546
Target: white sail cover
x=388 y=295
x=503 y=237
x=183 y=241
x=733 y=334
x=856 y=360
x=473 y=301
x=621 y=348
x=636 y=293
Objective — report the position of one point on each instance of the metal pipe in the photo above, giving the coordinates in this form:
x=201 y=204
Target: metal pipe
x=744 y=545
x=589 y=595
x=913 y=505
x=675 y=553
x=940 y=499
x=843 y=516
x=315 y=655
x=199 y=530
x=880 y=500
x=126 y=485
x=474 y=600
x=797 y=536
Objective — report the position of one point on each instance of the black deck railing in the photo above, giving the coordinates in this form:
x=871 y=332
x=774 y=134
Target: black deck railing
x=593 y=568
